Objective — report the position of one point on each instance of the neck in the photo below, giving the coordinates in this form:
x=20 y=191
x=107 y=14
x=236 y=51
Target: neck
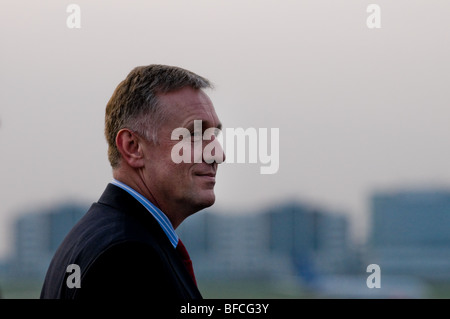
x=174 y=213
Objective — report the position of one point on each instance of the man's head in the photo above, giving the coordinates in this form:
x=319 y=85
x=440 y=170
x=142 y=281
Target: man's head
x=140 y=116
x=135 y=103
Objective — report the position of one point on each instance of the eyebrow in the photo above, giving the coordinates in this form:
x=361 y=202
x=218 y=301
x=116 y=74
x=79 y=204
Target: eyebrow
x=190 y=126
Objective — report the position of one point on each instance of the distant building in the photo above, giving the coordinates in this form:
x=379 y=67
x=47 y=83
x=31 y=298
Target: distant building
x=411 y=234
x=317 y=242
x=228 y=246
x=285 y=240
x=37 y=236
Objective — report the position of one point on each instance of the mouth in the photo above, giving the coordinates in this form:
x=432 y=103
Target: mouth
x=207 y=176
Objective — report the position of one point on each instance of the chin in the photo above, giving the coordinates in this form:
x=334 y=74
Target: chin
x=206 y=201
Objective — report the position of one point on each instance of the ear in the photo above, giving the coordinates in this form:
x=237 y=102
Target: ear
x=129 y=147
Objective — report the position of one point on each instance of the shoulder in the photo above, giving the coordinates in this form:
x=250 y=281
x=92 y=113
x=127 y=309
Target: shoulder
x=104 y=226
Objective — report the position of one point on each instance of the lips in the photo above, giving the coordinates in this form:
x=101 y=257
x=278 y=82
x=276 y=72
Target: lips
x=209 y=177
x=206 y=174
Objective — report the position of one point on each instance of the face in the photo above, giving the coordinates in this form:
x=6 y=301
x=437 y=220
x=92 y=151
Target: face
x=184 y=186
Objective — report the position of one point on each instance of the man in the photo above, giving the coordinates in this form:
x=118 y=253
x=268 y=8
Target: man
x=126 y=246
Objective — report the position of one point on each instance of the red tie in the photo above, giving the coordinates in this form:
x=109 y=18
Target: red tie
x=186 y=259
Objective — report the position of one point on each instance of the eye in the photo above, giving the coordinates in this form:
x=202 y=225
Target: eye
x=196 y=136
x=217 y=132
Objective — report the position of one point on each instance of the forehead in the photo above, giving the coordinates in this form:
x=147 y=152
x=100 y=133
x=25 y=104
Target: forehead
x=186 y=105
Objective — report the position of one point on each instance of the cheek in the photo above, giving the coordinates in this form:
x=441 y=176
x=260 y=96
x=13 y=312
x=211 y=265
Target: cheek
x=165 y=170
x=179 y=173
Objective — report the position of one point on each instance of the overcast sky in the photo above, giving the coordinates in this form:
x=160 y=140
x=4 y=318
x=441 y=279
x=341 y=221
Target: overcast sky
x=357 y=109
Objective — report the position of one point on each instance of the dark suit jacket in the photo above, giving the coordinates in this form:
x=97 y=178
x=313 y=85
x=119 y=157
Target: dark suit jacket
x=122 y=253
